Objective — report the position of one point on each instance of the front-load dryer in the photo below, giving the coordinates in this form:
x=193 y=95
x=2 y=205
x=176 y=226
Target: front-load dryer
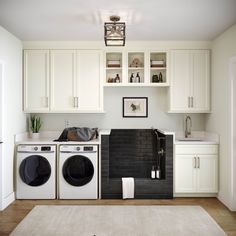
x=36 y=172
x=78 y=172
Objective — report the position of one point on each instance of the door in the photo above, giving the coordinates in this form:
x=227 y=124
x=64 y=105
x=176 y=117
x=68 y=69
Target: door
x=180 y=80
x=89 y=77
x=200 y=80
x=207 y=177
x=185 y=174
x=36 y=80
x=35 y=170
x=63 y=80
x=78 y=170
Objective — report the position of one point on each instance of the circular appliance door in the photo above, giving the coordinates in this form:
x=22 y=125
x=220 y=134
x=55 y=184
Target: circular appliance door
x=35 y=170
x=78 y=170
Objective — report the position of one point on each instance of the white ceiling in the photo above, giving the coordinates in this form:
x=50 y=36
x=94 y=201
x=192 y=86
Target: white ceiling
x=146 y=19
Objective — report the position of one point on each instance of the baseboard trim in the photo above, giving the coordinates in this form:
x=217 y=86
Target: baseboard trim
x=195 y=194
x=8 y=200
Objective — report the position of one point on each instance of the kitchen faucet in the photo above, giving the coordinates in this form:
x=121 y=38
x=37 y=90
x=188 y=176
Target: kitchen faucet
x=188 y=127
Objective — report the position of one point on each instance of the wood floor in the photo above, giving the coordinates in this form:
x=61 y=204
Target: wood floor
x=10 y=217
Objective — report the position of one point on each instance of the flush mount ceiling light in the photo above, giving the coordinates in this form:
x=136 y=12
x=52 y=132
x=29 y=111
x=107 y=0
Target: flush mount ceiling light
x=114 y=34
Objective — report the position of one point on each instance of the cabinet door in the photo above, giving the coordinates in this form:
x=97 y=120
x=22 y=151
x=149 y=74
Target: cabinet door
x=185 y=174
x=36 y=80
x=63 y=80
x=200 y=80
x=89 y=92
x=180 y=80
x=207 y=178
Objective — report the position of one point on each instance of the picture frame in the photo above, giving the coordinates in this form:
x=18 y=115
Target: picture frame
x=135 y=107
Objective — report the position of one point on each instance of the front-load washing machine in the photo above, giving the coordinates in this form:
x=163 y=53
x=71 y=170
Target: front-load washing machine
x=36 y=172
x=78 y=172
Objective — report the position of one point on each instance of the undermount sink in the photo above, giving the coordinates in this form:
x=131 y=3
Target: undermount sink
x=190 y=139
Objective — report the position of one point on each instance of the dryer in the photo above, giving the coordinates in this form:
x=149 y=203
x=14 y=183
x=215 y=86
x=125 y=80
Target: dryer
x=78 y=172
x=36 y=172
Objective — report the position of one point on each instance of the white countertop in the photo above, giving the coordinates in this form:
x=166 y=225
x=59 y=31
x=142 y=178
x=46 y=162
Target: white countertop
x=47 y=137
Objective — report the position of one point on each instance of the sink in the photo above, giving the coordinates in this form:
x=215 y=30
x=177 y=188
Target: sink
x=190 y=139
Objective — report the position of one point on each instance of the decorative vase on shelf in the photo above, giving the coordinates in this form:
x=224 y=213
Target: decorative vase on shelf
x=35 y=135
x=155 y=79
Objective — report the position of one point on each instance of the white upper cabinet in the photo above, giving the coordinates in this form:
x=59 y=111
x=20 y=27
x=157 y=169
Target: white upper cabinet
x=89 y=91
x=36 y=80
x=180 y=80
x=200 y=80
x=190 y=81
x=63 y=81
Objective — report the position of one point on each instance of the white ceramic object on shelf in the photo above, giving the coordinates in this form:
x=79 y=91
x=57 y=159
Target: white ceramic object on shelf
x=35 y=135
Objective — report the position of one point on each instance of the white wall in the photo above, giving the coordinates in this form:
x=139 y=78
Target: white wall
x=13 y=118
x=157 y=116
x=223 y=48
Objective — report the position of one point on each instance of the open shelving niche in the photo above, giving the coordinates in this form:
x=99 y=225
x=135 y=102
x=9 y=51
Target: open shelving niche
x=137 y=61
x=114 y=65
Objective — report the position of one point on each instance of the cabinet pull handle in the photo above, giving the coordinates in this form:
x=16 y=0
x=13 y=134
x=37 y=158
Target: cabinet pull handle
x=191 y=101
x=74 y=104
x=195 y=163
x=198 y=163
x=188 y=102
x=46 y=102
x=77 y=102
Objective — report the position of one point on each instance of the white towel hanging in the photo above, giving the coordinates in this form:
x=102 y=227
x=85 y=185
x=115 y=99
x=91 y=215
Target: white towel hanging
x=128 y=187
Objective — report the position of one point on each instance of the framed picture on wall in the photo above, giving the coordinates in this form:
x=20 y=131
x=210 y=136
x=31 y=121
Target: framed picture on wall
x=135 y=107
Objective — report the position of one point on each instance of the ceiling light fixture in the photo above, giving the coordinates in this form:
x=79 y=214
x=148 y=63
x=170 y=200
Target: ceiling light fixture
x=114 y=34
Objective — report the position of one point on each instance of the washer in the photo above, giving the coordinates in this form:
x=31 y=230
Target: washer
x=36 y=172
x=78 y=166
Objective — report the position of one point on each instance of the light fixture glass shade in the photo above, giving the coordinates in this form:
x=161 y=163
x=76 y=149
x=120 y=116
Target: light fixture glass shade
x=114 y=34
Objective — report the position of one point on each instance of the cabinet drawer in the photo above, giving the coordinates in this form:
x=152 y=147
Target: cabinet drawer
x=198 y=149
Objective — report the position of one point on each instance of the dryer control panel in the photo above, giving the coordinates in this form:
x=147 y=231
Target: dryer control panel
x=78 y=148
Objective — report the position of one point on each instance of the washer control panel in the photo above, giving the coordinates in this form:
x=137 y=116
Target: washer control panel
x=36 y=148
x=88 y=148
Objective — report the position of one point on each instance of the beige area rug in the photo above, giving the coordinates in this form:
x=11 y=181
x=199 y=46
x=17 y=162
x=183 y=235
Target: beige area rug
x=118 y=221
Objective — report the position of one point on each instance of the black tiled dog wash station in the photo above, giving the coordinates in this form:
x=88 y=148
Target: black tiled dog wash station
x=132 y=153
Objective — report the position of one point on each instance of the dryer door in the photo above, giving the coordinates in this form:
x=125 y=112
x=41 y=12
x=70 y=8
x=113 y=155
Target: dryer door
x=78 y=170
x=35 y=170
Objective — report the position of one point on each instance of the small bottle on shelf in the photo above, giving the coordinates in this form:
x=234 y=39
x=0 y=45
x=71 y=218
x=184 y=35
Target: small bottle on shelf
x=131 y=79
x=137 y=78
x=117 y=78
x=160 y=78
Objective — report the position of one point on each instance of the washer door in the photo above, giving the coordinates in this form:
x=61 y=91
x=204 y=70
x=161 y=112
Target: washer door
x=78 y=170
x=35 y=170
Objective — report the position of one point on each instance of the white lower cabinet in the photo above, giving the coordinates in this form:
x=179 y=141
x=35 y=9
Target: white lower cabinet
x=196 y=169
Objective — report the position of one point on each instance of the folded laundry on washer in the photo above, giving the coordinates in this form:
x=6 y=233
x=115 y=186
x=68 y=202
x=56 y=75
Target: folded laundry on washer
x=78 y=134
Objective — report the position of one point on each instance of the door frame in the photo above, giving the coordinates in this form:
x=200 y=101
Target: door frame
x=232 y=124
